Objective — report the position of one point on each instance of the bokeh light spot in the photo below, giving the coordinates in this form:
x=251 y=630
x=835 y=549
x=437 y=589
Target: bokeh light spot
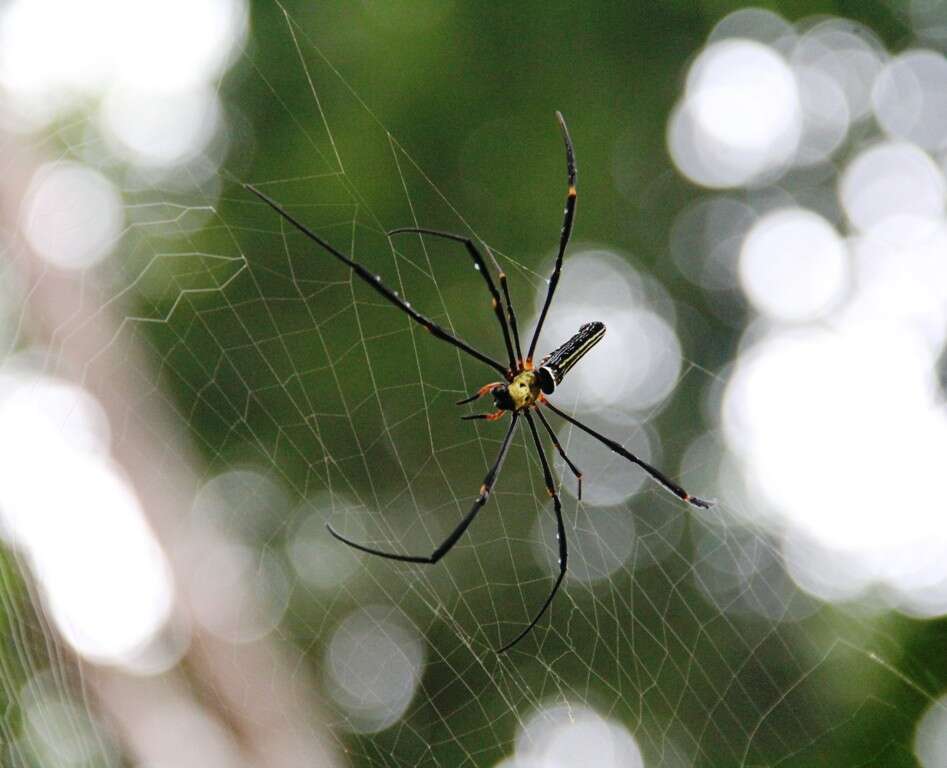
x=373 y=667
x=562 y=736
x=147 y=131
x=930 y=735
x=72 y=215
x=103 y=575
x=793 y=265
x=890 y=179
x=848 y=53
x=238 y=594
x=317 y=557
x=743 y=94
x=241 y=501
x=910 y=98
x=825 y=115
x=754 y=24
x=741 y=116
x=807 y=441
x=706 y=241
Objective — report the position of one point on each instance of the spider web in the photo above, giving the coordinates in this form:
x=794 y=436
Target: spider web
x=296 y=396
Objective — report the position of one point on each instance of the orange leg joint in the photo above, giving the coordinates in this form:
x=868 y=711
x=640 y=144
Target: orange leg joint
x=485 y=416
x=486 y=389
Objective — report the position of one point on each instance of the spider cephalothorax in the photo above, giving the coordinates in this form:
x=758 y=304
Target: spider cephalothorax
x=524 y=387
x=520 y=393
x=527 y=385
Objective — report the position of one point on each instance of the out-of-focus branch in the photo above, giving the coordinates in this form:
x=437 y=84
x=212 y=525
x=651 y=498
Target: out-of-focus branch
x=246 y=703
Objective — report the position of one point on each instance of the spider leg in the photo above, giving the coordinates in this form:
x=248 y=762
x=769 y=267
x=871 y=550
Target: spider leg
x=482 y=269
x=452 y=539
x=566 y=233
x=485 y=416
x=555 y=441
x=560 y=535
x=487 y=388
x=509 y=311
x=375 y=282
x=659 y=476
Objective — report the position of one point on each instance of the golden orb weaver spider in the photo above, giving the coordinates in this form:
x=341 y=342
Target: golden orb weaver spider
x=524 y=386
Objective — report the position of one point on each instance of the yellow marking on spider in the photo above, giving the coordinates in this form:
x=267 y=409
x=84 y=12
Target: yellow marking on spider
x=524 y=389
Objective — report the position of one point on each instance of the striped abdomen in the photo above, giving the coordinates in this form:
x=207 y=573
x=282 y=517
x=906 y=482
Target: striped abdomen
x=558 y=363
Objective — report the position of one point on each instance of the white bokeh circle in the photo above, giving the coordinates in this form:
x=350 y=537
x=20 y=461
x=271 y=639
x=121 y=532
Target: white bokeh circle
x=72 y=215
x=741 y=115
x=930 y=735
x=910 y=98
x=891 y=179
x=793 y=265
x=373 y=667
x=562 y=736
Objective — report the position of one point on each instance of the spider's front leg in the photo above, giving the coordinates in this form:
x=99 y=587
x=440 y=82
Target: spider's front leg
x=568 y=218
x=502 y=399
x=484 y=390
x=484 y=416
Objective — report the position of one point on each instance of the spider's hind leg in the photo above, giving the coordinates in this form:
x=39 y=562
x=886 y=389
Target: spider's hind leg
x=560 y=535
x=656 y=474
x=576 y=472
x=448 y=544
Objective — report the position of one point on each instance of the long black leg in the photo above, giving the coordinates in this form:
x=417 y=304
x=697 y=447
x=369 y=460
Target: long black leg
x=482 y=269
x=375 y=282
x=555 y=441
x=451 y=540
x=560 y=535
x=567 y=220
x=655 y=473
x=510 y=314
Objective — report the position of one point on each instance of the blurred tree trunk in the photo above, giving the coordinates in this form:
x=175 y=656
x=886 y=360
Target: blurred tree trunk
x=226 y=703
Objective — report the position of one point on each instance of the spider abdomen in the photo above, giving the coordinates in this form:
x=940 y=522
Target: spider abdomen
x=554 y=366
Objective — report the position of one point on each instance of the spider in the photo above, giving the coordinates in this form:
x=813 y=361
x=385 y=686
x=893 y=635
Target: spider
x=523 y=388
